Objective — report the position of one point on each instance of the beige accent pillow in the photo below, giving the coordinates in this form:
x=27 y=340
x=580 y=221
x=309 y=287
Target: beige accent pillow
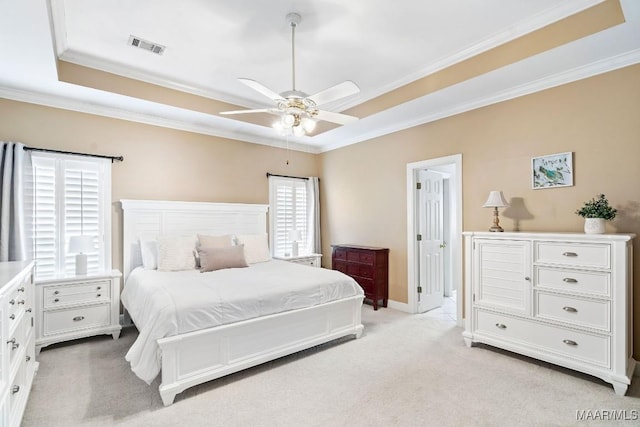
x=175 y=253
x=256 y=247
x=223 y=241
x=212 y=259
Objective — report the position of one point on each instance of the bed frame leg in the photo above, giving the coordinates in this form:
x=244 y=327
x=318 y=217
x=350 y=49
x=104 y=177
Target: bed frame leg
x=167 y=397
x=359 y=330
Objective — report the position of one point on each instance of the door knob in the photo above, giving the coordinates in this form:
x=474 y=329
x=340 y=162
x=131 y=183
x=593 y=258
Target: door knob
x=443 y=245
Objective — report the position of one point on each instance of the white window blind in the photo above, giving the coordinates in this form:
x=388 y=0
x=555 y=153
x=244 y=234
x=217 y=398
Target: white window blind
x=288 y=210
x=71 y=198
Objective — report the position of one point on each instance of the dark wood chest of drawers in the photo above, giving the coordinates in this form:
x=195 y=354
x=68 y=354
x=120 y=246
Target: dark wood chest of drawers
x=369 y=266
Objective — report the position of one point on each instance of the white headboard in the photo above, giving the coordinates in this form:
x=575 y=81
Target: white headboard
x=148 y=218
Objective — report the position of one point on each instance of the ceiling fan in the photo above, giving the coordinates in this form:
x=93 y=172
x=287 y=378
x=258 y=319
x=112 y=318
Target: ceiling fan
x=298 y=111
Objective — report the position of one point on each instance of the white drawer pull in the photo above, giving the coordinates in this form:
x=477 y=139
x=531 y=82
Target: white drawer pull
x=21 y=301
x=15 y=389
x=28 y=310
x=78 y=318
x=21 y=289
x=570 y=254
x=501 y=326
x=15 y=345
x=12 y=302
x=570 y=309
x=11 y=341
x=570 y=342
x=569 y=280
x=12 y=317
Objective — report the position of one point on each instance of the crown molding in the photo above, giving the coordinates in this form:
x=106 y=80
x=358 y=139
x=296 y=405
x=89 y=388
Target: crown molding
x=578 y=73
x=173 y=117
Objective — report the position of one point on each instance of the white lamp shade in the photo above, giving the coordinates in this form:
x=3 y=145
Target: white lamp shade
x=496 y=200
x=81 y=244
x=295 y=235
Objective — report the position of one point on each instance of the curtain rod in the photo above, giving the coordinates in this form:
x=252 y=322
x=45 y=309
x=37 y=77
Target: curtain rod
x=112 y=158
x=287 y=176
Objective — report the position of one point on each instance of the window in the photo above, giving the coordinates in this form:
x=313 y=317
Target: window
x=71 y=197
x=288 y=210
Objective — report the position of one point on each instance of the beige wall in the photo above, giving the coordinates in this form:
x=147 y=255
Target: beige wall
x=160 y=164
x=364 y=185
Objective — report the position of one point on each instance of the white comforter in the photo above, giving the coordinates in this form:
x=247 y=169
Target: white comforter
x=163 y=303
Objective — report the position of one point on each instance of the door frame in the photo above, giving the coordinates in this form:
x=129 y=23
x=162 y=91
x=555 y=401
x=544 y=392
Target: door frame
x=456 y=225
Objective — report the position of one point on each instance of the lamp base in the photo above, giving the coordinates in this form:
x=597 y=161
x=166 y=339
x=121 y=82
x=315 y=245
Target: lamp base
x=294 y=248
x=497 y=229
x=81 y=265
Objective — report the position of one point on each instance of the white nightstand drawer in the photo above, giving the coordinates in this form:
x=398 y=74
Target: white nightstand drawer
x=312 y=261
x=591 y=255
x=588 y=282
x=59 y=321
x=591 y=348
x=581 y=312
x=83 y=293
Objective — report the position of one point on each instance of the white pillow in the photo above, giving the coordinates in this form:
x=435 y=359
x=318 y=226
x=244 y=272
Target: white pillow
x=223 y=241
x=256 y=247
x=149 y=252
x=176 y=253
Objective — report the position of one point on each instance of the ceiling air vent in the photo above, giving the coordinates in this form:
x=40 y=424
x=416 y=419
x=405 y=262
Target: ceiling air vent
x=146 y=45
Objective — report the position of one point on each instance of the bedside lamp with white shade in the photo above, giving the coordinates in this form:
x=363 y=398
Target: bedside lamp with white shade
x=294 y=236
x=496 y=200
x=80 y=245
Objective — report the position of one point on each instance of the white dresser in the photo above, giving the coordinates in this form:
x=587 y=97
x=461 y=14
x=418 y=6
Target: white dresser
x=17 y=353
x=565 y=298
x=77 y=306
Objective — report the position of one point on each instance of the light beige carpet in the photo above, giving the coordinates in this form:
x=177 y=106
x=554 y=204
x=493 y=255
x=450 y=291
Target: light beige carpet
x=406 y=370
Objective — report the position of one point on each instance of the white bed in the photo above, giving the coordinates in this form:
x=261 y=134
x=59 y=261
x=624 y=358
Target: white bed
x=305 y=306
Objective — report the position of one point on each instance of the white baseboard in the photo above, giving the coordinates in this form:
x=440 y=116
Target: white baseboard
x=400 y=306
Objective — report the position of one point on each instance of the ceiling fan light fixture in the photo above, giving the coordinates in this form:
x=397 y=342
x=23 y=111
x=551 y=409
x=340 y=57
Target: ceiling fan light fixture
x=298 y=130
x=308 y=124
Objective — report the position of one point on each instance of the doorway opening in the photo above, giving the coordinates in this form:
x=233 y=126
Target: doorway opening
x=434 y=235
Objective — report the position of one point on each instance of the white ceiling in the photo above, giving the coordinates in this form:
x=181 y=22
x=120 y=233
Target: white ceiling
x=380 y=45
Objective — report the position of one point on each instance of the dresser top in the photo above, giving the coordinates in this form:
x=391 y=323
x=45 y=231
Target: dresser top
x=8 y=270
x=552 y=235
x=369 y=248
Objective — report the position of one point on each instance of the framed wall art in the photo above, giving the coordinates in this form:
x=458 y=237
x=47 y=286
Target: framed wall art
x=553 y=170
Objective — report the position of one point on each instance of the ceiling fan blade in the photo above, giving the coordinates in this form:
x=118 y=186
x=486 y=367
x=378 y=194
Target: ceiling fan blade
x=339 y=118
x=261 y=88
x=338 y=91
x=261 y=110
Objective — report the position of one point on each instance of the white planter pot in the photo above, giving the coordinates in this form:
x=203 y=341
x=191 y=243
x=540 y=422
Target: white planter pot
x=594 y=225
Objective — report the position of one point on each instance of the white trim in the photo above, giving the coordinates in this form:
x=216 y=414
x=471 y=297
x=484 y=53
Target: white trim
x=456 y=261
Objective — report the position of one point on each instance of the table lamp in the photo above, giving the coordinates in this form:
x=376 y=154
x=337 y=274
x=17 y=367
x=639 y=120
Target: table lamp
x=294 y=236
x=496 y=200
x=80 y=245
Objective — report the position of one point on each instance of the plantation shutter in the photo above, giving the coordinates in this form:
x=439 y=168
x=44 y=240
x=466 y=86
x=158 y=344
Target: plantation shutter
x=288 y=211
x=71 y=198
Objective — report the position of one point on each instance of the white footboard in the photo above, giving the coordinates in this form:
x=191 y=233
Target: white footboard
x=200 y=356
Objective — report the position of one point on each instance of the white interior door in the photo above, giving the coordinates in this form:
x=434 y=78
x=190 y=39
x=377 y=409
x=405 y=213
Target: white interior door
x=430 y=241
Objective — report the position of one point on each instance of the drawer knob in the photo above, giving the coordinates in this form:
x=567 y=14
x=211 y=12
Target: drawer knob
x=11 y=341
x=21 y=289
x=570 y=309
x=527 y=278
x=28 y=358
x=56 y=292
x=570 y=254
x=98 y=295
x=12 y=302
x=12 y=317
x=15 y=389
x=21 y=301
x=569 y=280
x=99 y=287
x=15 y=346
x=570 y=342
x=56 y=300
x=28 y=310
x=501 y=326
x=78 y=318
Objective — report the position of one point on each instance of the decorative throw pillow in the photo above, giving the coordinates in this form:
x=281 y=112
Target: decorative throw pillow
x=223 y=241
x=176 y=253
x=212 y=259
x=256 y=247
x=149 y=252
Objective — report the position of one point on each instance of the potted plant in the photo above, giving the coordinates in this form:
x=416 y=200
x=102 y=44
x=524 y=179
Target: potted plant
x=595 y=212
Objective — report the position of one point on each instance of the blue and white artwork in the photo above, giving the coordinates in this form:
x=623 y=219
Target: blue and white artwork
x=554 y=170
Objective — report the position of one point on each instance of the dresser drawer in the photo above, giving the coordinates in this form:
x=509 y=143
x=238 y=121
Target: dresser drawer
x=590 y=348
x=367 y=285
x=581 y=312
x=339 y=253
x=83 y=293
x=17 y=341
x=58 y=321
x=573 y=254
x=17 y=389
x=587 y=282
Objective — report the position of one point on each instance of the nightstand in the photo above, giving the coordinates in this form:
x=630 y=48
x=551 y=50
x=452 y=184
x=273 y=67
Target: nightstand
x=311 y=259
x=74 y=307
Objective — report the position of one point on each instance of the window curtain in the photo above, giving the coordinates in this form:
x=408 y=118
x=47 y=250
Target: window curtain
x=15 y=175
x=313 y=215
